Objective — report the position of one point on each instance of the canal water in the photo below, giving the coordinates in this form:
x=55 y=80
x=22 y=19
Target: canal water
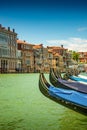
x=23 y=107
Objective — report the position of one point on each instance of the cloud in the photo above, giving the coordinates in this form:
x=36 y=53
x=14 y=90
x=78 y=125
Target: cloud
x=82 y=29
x=75 y=44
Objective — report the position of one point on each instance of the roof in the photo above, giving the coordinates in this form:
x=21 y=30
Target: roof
x=56 y=48
x=37 y=46
x=50 y=50
x=56 y=54
x=21 y=42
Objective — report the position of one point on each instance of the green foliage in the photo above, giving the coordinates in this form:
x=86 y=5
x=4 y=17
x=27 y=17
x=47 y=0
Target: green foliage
x=75 y=56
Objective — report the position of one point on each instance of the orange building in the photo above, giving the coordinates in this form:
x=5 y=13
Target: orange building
x=60 y=56
x=25 y=56
x=83 y=57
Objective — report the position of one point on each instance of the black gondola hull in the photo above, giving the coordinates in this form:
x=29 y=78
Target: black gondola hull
x=58 y=82
x=44 y=88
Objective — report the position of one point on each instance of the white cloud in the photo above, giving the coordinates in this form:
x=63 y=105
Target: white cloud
x=82 y=29
x=75 y=44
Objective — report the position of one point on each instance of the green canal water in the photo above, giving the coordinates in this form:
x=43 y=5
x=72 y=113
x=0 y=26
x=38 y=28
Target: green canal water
x=23 y=107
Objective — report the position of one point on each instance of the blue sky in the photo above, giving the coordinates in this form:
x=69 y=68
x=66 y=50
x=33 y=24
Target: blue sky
x=50 y=22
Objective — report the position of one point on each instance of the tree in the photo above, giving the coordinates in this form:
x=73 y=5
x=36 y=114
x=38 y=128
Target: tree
x=75 y=56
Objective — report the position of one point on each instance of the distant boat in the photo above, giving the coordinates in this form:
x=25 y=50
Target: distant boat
x=66 y=84
x=82 y=76
x=74 y=75
x=69 y=98
x=79 y=79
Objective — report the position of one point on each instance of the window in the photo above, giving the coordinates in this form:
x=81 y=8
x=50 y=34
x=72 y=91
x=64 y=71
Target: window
x=27 y=62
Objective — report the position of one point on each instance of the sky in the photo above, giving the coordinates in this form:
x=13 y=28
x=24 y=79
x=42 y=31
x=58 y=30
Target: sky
x=47 y=22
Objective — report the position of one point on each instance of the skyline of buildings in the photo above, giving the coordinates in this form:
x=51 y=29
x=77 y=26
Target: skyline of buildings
x=17 y=55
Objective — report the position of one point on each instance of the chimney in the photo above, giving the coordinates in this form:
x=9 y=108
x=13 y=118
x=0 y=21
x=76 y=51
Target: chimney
x=8 y=28
x=62 y=46
x=0 y=25
x=13 y=30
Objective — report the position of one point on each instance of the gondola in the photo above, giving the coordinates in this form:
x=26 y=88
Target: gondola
x=76 y=76
x=79 y=75
x=82 y=76
x=78 y=79
x=59 y=82
x=69 y=98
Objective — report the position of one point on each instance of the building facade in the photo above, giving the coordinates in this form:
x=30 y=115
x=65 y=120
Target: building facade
x=83 y=57
x=38 y=57
x=59 y=55
x=8 y=49
x=20 y=56
x=25 y=62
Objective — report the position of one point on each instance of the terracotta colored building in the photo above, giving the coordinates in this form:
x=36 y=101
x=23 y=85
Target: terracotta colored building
x=60 y=57
x=83 y=57
x=25 y=61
